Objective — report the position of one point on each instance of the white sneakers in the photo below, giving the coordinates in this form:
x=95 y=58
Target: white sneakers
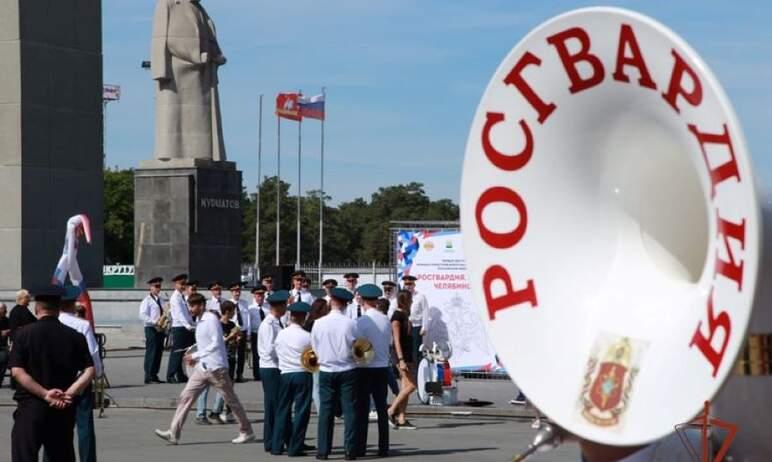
x=166 y=435
x=244 y=438
x=226 y=418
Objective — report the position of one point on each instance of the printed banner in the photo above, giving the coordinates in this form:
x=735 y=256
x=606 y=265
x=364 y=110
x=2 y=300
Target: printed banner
x=437 y=261
x=287 y=106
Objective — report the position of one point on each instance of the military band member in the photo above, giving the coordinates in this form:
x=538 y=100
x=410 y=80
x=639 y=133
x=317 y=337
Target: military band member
x=258 y=310
x=213 y=304
x=419 y=314
x=332 y=338
x=45 y=361
x=267 y=282
x=242 y=320
x=84 y=403
x=191 y=287
x=150 y=312
x=390 y=294
x=328 y=285
x=182 y=330
x=298 y=292
x=373 y=377
x=211 y=368
x=294 y=403
x=269 y=363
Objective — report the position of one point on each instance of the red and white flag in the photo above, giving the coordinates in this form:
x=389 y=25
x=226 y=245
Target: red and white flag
x=288 y=107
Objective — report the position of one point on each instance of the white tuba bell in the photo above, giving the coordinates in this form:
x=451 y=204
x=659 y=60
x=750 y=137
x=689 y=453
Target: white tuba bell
x=613 y=231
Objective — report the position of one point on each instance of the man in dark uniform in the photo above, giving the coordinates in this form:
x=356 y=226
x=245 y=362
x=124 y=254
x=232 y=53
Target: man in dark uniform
x=46 y=359
x=20 y=314
x=182 y=332
x=150 y=312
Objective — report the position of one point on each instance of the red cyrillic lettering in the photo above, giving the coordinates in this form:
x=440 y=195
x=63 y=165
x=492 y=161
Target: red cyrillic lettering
x=704 y=343
x=501 y=240
x=569 y=61
x=724 y=171
x=627 y=39
x=511 y=297
x=515 y=78
x=676 y=85
x=497 y=158
x=731 y=269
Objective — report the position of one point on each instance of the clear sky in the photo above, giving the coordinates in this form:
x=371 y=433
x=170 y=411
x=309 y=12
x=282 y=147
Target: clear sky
x=403 y=79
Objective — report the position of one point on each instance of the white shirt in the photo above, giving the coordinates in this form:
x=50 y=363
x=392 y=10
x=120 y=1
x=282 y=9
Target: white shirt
x=179 y=310
x=211 y=353
x=419 y=311
x=213 y=304
x=289 y=346
x=266 y=336
x=302 y=296
x=354 y=311
x=83 y=327
x=243 y=307
x=332 y=338
x=256 y=315
x=150 y=310
x=375 y=327
x=392 y=306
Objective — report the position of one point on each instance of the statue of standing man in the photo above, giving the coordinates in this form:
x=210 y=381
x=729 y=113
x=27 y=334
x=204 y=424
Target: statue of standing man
x=184 y=60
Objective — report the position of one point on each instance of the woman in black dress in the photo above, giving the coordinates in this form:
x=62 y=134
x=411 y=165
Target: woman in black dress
x=403 y=349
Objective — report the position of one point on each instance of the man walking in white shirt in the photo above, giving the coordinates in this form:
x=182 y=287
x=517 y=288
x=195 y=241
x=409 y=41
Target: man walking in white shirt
x=211 y=368
x=242 y=320
x=182 y=330
x=258 y=310
x=373 y=377
x=150 y=312
x=296 y=384
x=269 y=363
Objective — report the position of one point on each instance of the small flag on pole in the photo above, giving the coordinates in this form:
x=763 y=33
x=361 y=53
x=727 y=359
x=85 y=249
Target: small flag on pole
x=287 y=106
x=312 y=107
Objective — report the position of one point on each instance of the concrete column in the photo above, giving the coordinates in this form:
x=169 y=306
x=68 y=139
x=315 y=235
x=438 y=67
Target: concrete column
x=51 y=155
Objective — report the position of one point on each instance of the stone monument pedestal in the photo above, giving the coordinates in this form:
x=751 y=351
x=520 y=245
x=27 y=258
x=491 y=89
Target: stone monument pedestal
x=187 y=219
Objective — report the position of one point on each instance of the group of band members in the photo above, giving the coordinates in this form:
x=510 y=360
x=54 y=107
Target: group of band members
x=281 y=326
x=53 y=359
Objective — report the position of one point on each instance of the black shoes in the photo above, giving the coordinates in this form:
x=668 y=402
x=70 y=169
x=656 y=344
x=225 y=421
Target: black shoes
x=349 y=457
x=321 y=457
x=383 y=453
x=202 y=421
x=240 y=380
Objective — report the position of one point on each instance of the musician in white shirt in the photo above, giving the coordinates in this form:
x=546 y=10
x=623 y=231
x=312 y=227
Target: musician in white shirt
x=150 y=312
x=390 y=294
x=296 y=384
x=298 y=293
x=213 y=304
x=211 y=368
x=242 y=320
x=373 y=377
x=328 y=285
x=258 y=310
x=269 y=363
x=332 y=338
x=182 y=330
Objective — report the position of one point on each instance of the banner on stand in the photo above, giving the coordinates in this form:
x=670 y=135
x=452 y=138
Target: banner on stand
x=437 y=261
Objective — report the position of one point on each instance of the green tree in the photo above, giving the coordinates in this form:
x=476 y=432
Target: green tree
x=119 y=216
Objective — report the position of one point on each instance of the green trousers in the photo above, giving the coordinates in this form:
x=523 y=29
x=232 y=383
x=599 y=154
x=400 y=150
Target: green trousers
x=294 y=393
x=337 y=387
x=373 y=384
x=271 y=379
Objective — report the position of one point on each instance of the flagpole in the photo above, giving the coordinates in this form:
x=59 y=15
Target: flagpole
x=278 y=184
x=321 y=195
x=259 y=181
x=297 y=255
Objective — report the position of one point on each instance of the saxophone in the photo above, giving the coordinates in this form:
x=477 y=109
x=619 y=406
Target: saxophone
x=165 y=321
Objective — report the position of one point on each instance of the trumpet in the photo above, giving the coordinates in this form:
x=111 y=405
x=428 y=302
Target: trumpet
x=362 y=351
x=309 y=360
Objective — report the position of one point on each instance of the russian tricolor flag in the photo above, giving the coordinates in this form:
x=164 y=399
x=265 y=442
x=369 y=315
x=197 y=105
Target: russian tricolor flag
x=312 y=107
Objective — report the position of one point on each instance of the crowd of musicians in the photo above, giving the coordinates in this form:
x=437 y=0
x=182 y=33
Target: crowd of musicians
x=339 y=349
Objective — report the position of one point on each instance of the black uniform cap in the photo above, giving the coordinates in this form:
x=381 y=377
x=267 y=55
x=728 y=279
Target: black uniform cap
x=49 y=294
x=409 y=278
x=334 y=282
x=258 y=288
x=215 y=284
x=389 y=284
x=234 y=285
x=351 y=276
x=180 y=277
x=155 y=280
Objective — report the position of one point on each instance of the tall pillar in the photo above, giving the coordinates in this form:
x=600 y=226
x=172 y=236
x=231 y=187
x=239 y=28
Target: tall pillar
x=51 y=155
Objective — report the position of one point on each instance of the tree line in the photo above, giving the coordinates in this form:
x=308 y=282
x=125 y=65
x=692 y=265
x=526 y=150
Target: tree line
x=356 y=231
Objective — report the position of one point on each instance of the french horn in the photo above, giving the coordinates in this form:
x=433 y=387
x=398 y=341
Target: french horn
x=309 y=360
x=362 y=351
